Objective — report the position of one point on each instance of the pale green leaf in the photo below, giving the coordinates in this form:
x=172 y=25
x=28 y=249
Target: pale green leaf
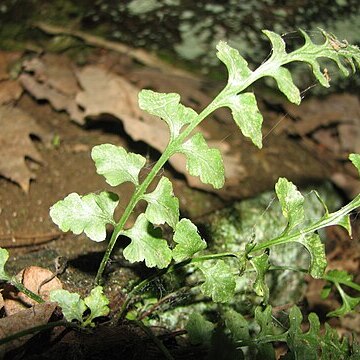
x=71 y=305
x=117 y=165
x=219 y=281
x=4 y=255
x=188 y=240
x=291 y=201
x=285 y=84
x=203 y=161
x=345 y=223
x=167 y=107
x=355 y=159
x=147 y=244
x=98 y=303
x=163 y=206
x=316 y=250
x=199 y=329
x=235 y=63
x=247 y=116
x=261 y=266
x=237 y=324
x=89 y=214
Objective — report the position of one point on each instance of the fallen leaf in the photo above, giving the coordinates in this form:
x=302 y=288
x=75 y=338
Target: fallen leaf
x=322 y=119
x=15 y=145
x=7 y=59
x=52 y=78
x=25 y=319
x=10 y=90
x=38 y=280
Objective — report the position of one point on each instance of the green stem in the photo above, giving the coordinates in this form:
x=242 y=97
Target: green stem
x=171 y=149
x=330 y=219
x=26 y=291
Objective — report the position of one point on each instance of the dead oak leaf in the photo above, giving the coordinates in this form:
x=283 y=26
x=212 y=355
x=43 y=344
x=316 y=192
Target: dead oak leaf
x=16 y=145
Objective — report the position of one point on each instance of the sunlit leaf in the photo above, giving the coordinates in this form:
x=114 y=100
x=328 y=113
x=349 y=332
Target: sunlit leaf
x=316 y=250
x=167 y=107
x=98 y=303
x=163 y=206
x=261 y=266
x=219 y=281
x=89 y=213
x=4 y=255
x=147 y=244
x=286 y=85
x=72 y=306
x=199 y=329
x=117 y=165
x=203 y=161
x=188 y=240
x=291 y=201
x=247 y=116
x=237 y=66
x=355 y=159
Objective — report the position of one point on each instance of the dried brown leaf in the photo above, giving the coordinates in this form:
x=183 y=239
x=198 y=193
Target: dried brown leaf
x=16 y=145
x=36 y=279
x=7 y=59
x=10 y=90
x=52 y=78
x=26 y=319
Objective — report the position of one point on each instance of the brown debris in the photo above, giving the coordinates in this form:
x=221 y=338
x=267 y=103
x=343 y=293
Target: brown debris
x=15 y=145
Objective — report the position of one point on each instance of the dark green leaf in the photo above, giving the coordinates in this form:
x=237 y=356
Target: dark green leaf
x=199 y=330
x=304 y=346
x=89 y=213
x=237 y=324
x=349 y=303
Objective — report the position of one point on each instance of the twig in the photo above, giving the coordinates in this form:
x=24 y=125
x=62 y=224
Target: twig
x=140 y=55
x=22 y=240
